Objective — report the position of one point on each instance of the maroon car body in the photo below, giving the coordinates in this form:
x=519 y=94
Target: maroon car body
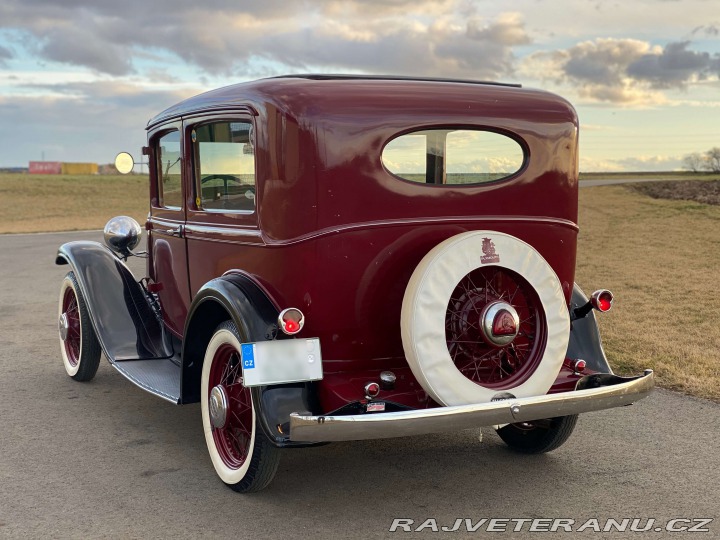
x=328 y=229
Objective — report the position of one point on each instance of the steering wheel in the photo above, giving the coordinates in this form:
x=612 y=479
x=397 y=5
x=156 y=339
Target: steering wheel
x=226 y=178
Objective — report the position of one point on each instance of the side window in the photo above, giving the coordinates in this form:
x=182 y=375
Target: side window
x=169 y=166
x=225 y=166
x=453 y=156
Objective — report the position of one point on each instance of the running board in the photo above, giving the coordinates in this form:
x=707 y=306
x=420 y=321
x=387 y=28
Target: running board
x=159 y=377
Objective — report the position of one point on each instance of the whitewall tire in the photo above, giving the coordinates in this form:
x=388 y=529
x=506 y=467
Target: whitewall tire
x=443 y=306
x=79 y=346
x=240 y=452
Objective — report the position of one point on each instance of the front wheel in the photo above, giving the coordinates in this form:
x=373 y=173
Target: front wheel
x=79 y=346
x=243 y=456
x=539 y=436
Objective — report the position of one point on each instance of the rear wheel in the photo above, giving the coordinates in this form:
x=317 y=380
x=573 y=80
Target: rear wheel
x=539 y=436
x=79 y=345
x=243 y=456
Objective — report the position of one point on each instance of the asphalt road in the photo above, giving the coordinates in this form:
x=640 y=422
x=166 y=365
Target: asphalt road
x=105 y=459
x=615 y=181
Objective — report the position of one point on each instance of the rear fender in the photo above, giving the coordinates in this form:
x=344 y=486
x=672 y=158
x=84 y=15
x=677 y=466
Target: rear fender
x=125 y=323
x=585 y=339
x=236 y=296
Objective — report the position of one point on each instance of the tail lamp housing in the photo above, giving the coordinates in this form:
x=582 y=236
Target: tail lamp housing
x=602 y=300
x=291 y=321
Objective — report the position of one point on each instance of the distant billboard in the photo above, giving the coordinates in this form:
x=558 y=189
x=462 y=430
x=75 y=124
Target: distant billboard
x=45 y=167
x=79 y=168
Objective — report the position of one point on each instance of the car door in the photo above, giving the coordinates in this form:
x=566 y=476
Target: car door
x=166 y=226
x=222 y=224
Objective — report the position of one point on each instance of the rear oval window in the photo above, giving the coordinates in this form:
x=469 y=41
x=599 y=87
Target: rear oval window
x=453 y=156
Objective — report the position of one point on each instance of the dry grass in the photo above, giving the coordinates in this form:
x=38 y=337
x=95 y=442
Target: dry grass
x=35 y=203
x=661 y=259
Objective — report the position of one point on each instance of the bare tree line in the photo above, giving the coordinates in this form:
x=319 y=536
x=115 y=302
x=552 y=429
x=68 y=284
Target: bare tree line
x=709 y=161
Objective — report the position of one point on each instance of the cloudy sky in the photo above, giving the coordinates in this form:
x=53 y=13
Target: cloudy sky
x=80 y=78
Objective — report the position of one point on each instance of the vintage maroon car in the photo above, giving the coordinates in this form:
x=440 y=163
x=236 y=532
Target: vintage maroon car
x=345 y=257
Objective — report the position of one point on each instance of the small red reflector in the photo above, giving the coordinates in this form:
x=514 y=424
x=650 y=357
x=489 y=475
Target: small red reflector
x=580 y=365
x=372 y=390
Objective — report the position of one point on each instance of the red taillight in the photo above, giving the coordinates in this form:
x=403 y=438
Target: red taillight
x=579 y=366
x=291 y=321
x=602 y=300
x=291 y=326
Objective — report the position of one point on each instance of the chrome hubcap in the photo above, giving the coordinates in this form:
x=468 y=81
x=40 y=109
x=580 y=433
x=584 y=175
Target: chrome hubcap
x=63 y=326
x=218 y=406
x=499 y=323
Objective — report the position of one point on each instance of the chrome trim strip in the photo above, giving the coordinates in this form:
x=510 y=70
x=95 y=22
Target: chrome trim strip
x=234 y=234
x=611 y=392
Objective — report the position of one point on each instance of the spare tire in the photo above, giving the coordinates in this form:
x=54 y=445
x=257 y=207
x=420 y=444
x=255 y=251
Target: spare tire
x=484 y=315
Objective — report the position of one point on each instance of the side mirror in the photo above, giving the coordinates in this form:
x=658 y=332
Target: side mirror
x=122 y=234
x=124 y=163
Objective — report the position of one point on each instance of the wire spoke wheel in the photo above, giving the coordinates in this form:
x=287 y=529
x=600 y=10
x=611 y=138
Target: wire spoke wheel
x=241 y=453
x=234 y=438
x=79 y=345
x=72 y=341
x=471 y=348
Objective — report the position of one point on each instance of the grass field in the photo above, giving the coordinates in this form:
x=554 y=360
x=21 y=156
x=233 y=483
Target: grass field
x=660 y=258
x=34 y=203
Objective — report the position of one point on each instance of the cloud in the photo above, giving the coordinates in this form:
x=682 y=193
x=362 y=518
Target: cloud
x=79 y=46
x=630 y=164
x=230 y=38
x=712 y=30
x=5 y=54
x=80 y=121
x=624 y=71
x=674 y=66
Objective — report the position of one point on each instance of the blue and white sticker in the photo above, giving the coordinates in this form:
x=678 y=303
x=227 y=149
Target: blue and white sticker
x=247 y=351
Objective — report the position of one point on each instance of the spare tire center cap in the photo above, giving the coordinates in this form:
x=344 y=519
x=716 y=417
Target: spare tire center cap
x=499 y=323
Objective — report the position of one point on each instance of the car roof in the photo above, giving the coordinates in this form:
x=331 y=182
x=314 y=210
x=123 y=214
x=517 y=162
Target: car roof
x=293 y=93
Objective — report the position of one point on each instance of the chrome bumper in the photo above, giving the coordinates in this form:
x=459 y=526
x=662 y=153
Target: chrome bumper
x=593 y=393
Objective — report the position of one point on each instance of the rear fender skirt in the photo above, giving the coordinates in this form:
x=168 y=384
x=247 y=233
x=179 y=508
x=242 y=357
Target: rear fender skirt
x=236 y=296
x=125 y=323
x=585 y=340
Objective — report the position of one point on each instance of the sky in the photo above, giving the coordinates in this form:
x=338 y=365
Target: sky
x=80 y=78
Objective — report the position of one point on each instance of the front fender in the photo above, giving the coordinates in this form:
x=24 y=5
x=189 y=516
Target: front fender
x=124 y=321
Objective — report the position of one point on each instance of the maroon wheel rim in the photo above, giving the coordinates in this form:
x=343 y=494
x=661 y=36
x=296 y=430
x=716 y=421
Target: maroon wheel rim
x=483 y=363
x=233 y=440
x=72 y=341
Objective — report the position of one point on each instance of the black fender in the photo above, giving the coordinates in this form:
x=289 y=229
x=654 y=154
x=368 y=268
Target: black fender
x=585 y=339
x=125 y=323
x=236 y=296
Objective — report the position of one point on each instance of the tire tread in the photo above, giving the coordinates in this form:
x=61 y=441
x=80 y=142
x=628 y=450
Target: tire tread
x=539 y=440
x=90 y=349
x=265 y=456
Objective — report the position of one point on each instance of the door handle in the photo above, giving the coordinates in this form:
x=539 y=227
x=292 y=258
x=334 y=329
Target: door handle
x=177 y=231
